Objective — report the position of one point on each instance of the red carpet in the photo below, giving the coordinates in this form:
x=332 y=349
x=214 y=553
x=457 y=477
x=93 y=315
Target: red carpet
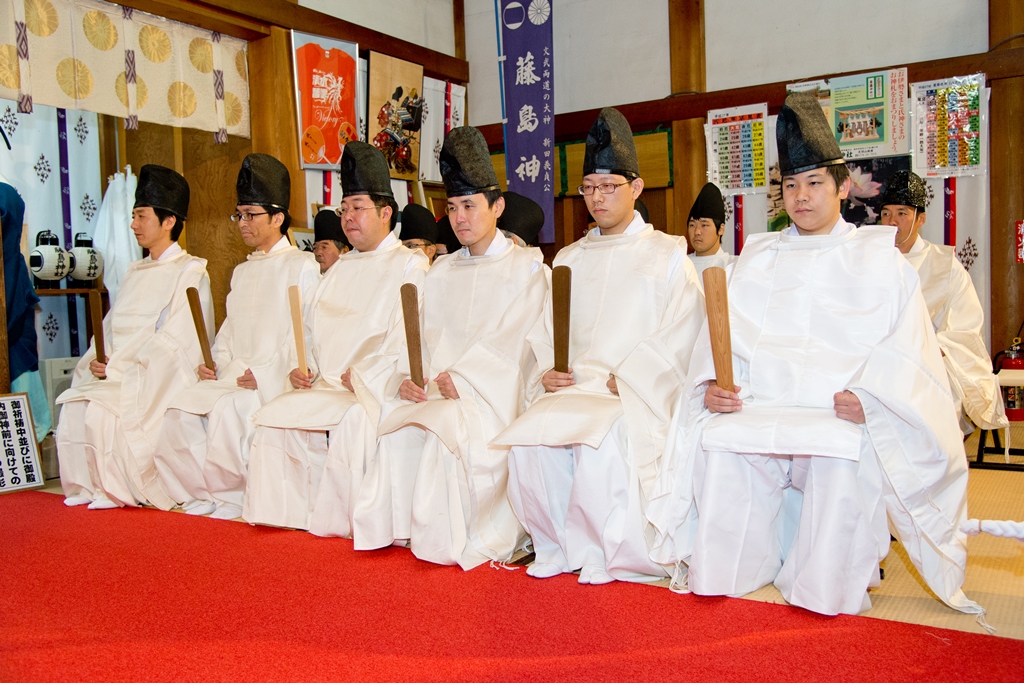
x=144 y=595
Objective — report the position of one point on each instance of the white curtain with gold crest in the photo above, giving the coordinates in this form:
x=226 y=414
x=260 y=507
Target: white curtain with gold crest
x=100 y=57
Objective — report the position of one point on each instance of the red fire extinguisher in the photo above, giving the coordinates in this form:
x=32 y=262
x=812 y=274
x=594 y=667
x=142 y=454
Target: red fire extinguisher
x=1013 y=397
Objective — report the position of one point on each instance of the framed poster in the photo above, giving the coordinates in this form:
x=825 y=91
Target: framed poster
x=395 y=110
x=326 y=84
x=19 y=462
x=736 y=154
x=870 y=114
x=950 y=126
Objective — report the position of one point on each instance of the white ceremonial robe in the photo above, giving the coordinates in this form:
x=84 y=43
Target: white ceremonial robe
x=582 y=458
x=957 y=316
x=309 y=454
x=720 y=259
x=109 y=428
x=204 y=449
x=435 y=480
x=784 y=491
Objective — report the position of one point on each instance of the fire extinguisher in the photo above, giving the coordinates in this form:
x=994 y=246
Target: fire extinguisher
x=1013 y=397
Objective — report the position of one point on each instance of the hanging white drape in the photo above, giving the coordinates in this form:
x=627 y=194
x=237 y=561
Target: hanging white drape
x=113 y=236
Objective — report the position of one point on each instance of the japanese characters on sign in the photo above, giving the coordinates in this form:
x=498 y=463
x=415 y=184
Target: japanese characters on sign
x=19 y=462
x=529 y=104
x=869 y=114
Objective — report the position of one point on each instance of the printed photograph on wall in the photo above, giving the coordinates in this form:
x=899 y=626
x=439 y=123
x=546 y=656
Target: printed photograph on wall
x=395 y=113
x=868 y=179
x=326 y=83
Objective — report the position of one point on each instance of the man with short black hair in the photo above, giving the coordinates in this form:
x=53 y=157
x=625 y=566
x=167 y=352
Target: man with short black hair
x=298 y=477
x=436 y=481
x=841 y=412
x=329 y=241
x=203 y=452
x=522 y=219
x=113 y=412
x=705 y=228
x=585 y=454
x=419 y=230
x=953 y=304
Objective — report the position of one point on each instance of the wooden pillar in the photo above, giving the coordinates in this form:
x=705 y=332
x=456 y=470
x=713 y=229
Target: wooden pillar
x=1006 y=178
x=273 y=115
x=689 y=162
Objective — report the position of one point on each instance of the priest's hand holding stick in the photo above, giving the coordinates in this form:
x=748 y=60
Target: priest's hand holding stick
x=722 y=396
x=97 y=367
x=208 y=370
x=412 y=389
x=561 y=296
x=300 y=377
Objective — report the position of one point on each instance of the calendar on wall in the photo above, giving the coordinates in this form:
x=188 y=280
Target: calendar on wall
x=736 y=152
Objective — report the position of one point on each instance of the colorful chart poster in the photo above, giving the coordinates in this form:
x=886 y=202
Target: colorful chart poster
x=736 y=155
x=395 y=113
x=326 y=83
x=949 y=124
x=870 y=114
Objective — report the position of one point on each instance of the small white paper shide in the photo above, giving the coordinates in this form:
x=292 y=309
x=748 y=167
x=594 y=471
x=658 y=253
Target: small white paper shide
x=19 y=460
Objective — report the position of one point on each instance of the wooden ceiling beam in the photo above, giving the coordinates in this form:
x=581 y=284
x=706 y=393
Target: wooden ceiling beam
x=1001 y=64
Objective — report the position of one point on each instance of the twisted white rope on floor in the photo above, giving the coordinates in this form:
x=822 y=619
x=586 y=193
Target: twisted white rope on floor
x=1004 y=528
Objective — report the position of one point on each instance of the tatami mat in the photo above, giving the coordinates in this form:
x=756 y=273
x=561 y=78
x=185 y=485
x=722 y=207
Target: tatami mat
x=995 y=566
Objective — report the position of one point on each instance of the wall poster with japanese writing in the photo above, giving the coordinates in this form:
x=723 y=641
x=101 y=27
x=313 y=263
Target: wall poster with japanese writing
x=394 y=111
x=19 y=462
x=735 y=145
x=869 y=114
x=950 y=122
x=326 y=83
x=529 y=104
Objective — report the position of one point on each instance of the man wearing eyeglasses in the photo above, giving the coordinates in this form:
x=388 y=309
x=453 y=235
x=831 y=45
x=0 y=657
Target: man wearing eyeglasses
x=586 y=453
x=313 y=442
x=203 y=452
x=438 y=482
x=112 y=414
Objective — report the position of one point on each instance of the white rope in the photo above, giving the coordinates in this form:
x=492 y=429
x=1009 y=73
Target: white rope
x=498 y=564
x=1005 y=528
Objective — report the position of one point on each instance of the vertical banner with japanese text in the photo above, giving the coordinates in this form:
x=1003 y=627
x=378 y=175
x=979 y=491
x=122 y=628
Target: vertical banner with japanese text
x=529 y=104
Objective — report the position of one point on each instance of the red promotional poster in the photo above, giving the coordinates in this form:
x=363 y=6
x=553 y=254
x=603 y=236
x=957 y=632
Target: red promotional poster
x=325 y=74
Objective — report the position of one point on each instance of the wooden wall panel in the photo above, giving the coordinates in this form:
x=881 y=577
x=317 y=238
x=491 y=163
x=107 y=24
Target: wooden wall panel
x=273 y=113
x=689 y=156
x=211 y=171
x=1006 y=177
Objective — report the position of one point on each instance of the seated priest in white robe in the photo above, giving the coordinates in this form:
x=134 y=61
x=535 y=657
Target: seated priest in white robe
x=203 y=453
x=953 y=305
x=112 y=416
x=586 y=452
x=435 y=480
x=704 y=230
x=841 y=412
x=312 y=443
